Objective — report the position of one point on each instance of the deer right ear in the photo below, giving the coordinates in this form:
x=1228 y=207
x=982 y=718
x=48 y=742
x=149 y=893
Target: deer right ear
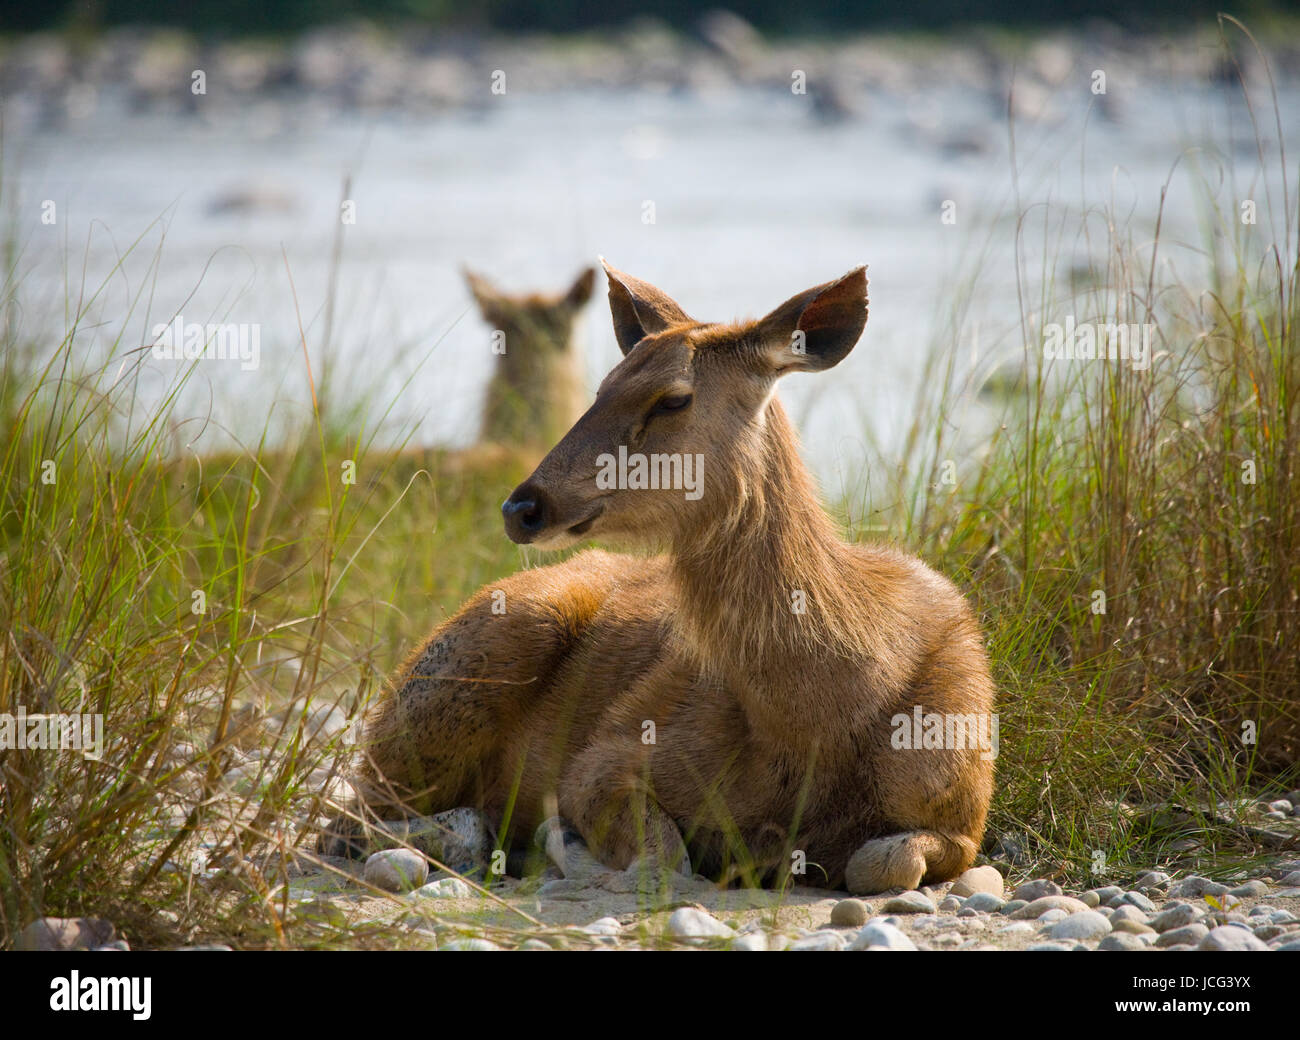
x=638 y=308
x=817 y=328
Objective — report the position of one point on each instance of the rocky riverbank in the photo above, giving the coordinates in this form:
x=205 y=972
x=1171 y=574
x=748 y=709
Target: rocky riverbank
x=55 y=80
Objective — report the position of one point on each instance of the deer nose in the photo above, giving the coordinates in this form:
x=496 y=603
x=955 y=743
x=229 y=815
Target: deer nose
x=525 y=514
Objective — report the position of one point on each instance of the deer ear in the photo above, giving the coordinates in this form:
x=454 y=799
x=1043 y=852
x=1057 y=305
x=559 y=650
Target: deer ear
x=580 y=291
x=481 y=289
x=639 y=309
x=816 y=329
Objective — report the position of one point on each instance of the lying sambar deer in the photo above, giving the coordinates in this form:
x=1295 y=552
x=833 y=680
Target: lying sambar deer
x=734 y=702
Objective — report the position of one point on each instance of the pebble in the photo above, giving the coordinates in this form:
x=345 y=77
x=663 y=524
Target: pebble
x=1282 y=805
x=1032 y=890
x=396 y=870
x=1013 y=905
x=603 y=926
x=1195 y=887
x=1138 y=900
x=1269 y=931
x=470 y=945
x=850 y=913
x=1230 y=937
x=950 y=904
x=1176 y=916
x=984 y=902
x=1040 y=906
x=1086 y=924
x=1291 y=880
x=1131 y=927
x=978 y=879
x=65 y=933
x=1249 y=890
x=1155 y=879
x=1121 y=941
x=1015 y=929
x=1106 y=894
x=822 y=940
x=689 y=923
x=1289 y=947
x=1053 y=915
x=1128 y=912
x=909 y=903
x=1187 y=935
x=1090 y=899
x=534 y=944
x=881 y=935
x=1050 y=947
x=445 y=888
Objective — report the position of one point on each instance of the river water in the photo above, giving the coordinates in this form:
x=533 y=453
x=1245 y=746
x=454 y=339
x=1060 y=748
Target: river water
x=754 y=198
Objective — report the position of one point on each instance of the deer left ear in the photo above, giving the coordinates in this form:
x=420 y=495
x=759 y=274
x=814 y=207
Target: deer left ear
x=816 y=329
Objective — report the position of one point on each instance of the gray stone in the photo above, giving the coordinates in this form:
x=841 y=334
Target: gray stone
x=470 y=945
x=1012 y=905
x=1249 y=890
x=1176 y=916
x=1187 y=935
x=978 y=879
x=445 y=888
x=950 y=904
x=1121 y=941
x=823 y=940
x=1140 y=901
x=396 y=870
x=1086 y=924
x=881 y=935
x=753 y=942
x=1269 y=931
x=603 y=926
x=984 y=902
x=1131 y=927
x=65 y=933
x=1282 y=805
x=1050 y=947
x=1090 y=899
x=1106 y=893
x=1230 y=937
x=850 y=913
x=1128 y=912
x=1291 y=880
x=909 y=903
x=1196 y=887
x=1053 y=915
x=1038 y=907
x=1032 y=890
x=1156 y=880
x=1292 y=946
x=689 y=923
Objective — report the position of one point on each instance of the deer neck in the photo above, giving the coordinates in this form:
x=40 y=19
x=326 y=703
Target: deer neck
x=763 y=586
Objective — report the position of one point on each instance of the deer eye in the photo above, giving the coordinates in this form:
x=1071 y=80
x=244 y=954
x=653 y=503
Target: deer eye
x=671 y=403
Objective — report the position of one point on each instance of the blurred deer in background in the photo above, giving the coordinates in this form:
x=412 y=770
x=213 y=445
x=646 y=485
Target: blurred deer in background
x=537 y=388
x=733 y=703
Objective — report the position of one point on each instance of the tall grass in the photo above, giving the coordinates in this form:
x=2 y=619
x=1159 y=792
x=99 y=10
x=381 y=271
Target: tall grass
x=1173 y=493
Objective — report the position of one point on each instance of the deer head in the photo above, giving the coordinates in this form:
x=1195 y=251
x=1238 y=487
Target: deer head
x=682 y=430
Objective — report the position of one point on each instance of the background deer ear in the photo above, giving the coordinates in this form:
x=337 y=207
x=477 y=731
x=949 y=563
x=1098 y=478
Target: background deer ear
x=816 y=329
x=580 y=291
x=638 y=308
x=481 y=289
